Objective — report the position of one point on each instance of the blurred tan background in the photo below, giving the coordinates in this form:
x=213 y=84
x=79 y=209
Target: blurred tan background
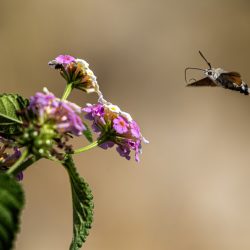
x=191 y=190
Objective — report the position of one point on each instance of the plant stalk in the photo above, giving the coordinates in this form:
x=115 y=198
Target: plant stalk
x=16 y=165
x=67 y=91
x=90 y=146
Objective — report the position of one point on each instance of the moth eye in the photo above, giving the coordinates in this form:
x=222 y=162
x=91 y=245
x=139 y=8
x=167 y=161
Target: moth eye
x=210 y=73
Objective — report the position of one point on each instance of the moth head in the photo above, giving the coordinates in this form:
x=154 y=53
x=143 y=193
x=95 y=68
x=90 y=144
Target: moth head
x=213 y=73
x=209 y=72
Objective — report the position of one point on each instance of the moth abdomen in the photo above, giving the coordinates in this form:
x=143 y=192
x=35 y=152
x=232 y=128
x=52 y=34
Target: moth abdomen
x=226 y=83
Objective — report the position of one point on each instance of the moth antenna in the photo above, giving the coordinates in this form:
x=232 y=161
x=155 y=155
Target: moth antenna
x=186 y=69
x=208 y=63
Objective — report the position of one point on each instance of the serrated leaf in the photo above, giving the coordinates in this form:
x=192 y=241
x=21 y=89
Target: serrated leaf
x=88 y=133
x=11 y=204
x=10 y=121
x=83 y=206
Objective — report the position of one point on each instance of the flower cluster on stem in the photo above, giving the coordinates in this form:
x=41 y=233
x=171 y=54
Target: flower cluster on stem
x=49 y=122
x=76 y=72
x=115 y=127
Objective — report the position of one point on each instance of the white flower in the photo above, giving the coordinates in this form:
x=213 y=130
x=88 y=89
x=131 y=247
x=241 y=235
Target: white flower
x=127 y=116
x=91 y=75
x=113 y=108
x=83 y=63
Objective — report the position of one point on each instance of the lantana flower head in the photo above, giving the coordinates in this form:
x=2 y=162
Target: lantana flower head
x=50 y=122
x=76 y=71
x=63 y=114
x=115 y=127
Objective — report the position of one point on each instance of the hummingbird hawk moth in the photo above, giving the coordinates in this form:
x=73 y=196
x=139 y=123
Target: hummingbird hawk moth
x=219 y=78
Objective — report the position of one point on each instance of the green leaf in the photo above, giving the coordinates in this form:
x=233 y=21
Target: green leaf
x=10 y=121
x=11 y=204
x=83 y=206
x=88 y=133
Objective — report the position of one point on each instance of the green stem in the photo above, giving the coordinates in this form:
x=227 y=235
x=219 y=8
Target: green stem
x=67 y=91
x=15 y=166
x=26 y=164
x=90 y=146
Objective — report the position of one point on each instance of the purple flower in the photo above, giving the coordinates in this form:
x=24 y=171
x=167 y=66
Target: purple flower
x=107 y=144
x=65 y=59
x=96 y=128
x=120 y=125
x=115 y=127
x=94 y=111
x=135 y=130
x=63 y=114
x=7 y=159
x=124 y=151
x=40 y=102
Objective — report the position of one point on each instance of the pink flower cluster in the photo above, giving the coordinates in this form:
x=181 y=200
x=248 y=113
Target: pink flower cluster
x=76 y=71
x=63 y=114
x=115 y=127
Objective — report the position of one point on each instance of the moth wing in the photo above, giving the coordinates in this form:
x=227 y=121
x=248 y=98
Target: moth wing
x=234 y=73
x=202 y=83
x=233 y=77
